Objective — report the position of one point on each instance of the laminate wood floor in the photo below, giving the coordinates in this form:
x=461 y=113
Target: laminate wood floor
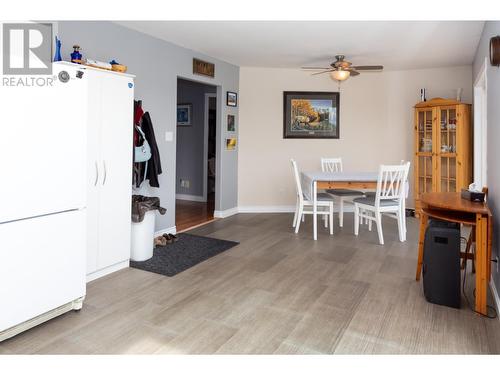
x=276 y=292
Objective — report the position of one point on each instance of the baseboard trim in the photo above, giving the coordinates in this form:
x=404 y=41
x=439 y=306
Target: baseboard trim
x=171 y=230
x=283 y=209
x=226 y=213
x=494 y=292
x=266 y=209
x=106 y=271
x=189 y=197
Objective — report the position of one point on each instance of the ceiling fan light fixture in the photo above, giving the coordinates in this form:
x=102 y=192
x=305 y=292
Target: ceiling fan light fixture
x=340 y=75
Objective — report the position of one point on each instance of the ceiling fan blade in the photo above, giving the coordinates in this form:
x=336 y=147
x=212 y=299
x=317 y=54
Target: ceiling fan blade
x=354 y=73
x=313 y=68
x=368 y=67
x=325 y=71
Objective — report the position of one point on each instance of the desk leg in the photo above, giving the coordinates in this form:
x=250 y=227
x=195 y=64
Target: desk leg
x=423 y=226
x=315 y=210
x=481 y=262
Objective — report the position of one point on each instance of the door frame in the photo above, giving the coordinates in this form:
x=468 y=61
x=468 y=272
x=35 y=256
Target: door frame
x=205 y=143
x=481 y=126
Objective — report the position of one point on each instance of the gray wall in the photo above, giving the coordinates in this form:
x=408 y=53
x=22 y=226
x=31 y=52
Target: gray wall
x=492 y=28
x=157 y=65
x=191 y=139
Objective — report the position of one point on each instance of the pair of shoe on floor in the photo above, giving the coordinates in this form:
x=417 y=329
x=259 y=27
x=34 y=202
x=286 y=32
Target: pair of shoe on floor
x=164 y=239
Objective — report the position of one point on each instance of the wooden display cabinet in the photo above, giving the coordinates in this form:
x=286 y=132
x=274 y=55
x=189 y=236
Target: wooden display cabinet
x=443 y=147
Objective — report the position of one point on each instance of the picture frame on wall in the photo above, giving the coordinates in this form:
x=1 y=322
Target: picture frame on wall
x=184 y=114
x=231 y=144
x=311 y=114
x=231 y=126
x=231 y=99
x=203 y=68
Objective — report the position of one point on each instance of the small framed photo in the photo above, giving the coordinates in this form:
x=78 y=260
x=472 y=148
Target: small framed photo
x=230 y=144
x=184 y=114
x=230 y=123
x=231 y=99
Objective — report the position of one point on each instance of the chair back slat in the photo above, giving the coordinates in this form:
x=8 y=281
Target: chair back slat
x=406 y=187
x=392 y=182
x=296 y=176
x=331 y=164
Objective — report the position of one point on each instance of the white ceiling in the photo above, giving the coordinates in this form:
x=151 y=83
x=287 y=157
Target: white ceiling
x=292 y=44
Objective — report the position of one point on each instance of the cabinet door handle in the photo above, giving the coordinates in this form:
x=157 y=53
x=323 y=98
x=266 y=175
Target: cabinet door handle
x=96 y=174
x=105 y=172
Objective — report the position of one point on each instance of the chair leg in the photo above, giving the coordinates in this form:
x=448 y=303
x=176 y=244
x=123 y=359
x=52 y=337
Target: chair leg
x=303 y=218
x=474 y=253
x=468 y=247
x=331 y=218
x=404 y=216
x=325 y=220
x=295 y=216
x=300 y=214
x=341 y=212
x=378 y=219
x=403 y=220
x=370 y=222
x=401 y=230
x=356 y=219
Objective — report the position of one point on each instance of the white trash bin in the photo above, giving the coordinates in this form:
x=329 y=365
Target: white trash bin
x=143 y=238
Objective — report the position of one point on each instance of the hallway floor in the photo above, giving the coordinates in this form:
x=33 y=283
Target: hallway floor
x=189 y=214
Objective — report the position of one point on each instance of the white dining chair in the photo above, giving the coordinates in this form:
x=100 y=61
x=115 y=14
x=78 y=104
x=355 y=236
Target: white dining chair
x=388 y=200
x=343 y=195
x=325 y=203
x=403 y=201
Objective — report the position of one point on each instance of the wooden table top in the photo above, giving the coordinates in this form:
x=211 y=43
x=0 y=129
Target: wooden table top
x=453 y=201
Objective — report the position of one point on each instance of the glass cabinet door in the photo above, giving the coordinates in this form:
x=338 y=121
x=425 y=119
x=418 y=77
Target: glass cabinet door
x=425 y=134
x=424 y=174
x=447 y=149
x=425 y=137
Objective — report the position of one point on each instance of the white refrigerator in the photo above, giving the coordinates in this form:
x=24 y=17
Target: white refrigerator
x=42 y=198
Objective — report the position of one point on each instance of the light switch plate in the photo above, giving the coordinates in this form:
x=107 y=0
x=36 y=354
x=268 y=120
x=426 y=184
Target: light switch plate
x=169 y=136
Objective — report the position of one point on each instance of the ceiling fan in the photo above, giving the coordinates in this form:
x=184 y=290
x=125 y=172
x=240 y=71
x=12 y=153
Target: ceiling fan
x=342 y=69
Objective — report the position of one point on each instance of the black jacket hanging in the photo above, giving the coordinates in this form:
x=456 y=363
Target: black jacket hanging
x=154 y=164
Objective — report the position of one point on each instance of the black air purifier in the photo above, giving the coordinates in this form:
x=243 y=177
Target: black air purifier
x=441 y=265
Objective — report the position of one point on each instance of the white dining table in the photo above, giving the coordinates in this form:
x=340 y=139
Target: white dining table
x=314 y=180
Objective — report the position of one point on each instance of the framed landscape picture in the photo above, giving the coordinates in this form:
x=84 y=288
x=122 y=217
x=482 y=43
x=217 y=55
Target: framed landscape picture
x=311 y=114
x=183 y=114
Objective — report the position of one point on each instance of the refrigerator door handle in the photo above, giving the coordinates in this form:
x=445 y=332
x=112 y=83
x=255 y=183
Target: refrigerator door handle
x=105 y=172
x=96 y=174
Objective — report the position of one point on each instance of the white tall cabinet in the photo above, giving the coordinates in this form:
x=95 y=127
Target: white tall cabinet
x=109 y=171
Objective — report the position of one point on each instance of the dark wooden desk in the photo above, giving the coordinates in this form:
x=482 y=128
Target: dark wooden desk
x=451 y=207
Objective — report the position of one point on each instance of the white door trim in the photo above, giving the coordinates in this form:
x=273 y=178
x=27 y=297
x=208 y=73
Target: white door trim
x=205 y=144
x=480 y=126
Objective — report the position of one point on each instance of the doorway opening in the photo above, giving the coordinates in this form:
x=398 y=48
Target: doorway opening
x=195 y=153
x=480 y=128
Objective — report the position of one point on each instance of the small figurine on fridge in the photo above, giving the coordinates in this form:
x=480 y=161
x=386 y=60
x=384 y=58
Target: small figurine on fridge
x=76 y=56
